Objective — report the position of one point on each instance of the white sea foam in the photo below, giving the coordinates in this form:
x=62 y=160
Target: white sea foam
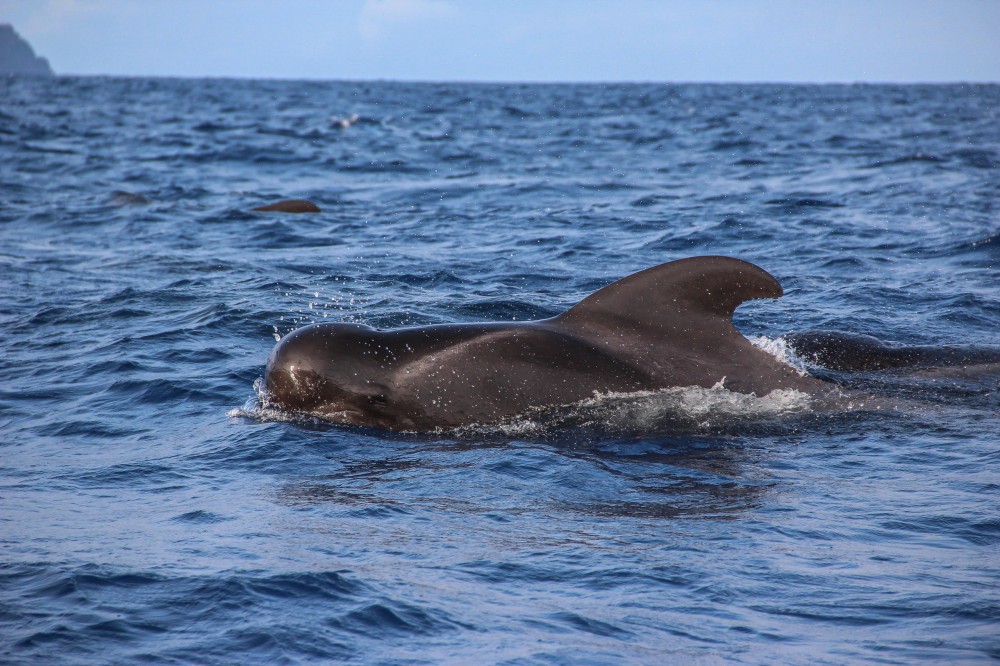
x=681 y=408
x=258 y=408
x=779 y=349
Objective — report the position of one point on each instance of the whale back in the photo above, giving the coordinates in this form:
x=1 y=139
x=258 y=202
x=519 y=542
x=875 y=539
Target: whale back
x=692 y=296
x=664 y=327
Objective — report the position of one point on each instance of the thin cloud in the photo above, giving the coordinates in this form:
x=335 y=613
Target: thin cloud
x=381 y=16
x=54 y=17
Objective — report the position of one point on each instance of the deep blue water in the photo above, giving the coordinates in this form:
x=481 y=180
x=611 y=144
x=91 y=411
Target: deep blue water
x=150 y=511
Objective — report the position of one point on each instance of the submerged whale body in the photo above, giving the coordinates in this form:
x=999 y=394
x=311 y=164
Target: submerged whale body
x=849 y=352
x=670 y=325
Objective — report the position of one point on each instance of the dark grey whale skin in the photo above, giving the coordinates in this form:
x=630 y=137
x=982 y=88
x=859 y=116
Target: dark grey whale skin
x=850 y=352
x=666 y=326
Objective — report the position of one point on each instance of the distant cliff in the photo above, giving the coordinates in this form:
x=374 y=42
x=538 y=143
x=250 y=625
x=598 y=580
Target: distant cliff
x=17 y=56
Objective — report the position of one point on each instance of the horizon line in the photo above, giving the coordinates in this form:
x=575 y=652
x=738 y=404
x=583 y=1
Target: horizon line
x=316 y=79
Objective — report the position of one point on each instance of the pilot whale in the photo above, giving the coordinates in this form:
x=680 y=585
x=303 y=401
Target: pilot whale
x=666 y=326
x=850 y=352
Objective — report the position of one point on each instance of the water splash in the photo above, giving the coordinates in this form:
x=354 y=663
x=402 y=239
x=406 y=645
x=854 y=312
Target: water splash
x=779 y=349
x=678 y=409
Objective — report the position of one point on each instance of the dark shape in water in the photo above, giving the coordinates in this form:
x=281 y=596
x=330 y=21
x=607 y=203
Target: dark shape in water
x=860 y=353
x=666 y=326
x=123 y=198
x=289 y=206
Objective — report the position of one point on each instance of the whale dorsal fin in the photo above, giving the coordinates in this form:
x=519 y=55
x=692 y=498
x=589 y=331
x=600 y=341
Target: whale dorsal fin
x=707 y=288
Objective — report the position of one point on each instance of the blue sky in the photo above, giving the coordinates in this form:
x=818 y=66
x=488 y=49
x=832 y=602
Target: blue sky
x=520 y=40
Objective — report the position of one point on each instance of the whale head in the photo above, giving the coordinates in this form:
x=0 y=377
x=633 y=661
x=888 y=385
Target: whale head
x=333 y=370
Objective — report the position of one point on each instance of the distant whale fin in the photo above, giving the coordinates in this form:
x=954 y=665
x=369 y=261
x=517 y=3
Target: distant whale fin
x=704 y=287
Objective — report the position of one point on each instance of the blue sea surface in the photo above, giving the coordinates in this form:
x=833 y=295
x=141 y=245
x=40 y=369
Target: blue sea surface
x=152 y=512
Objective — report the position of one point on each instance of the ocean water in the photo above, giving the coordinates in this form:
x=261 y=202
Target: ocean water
x=152 y=512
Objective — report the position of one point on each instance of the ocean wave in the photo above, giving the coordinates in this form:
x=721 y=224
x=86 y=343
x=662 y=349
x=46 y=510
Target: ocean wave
x=143 y=524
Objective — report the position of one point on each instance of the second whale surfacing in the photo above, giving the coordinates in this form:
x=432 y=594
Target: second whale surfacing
x=664 y=327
